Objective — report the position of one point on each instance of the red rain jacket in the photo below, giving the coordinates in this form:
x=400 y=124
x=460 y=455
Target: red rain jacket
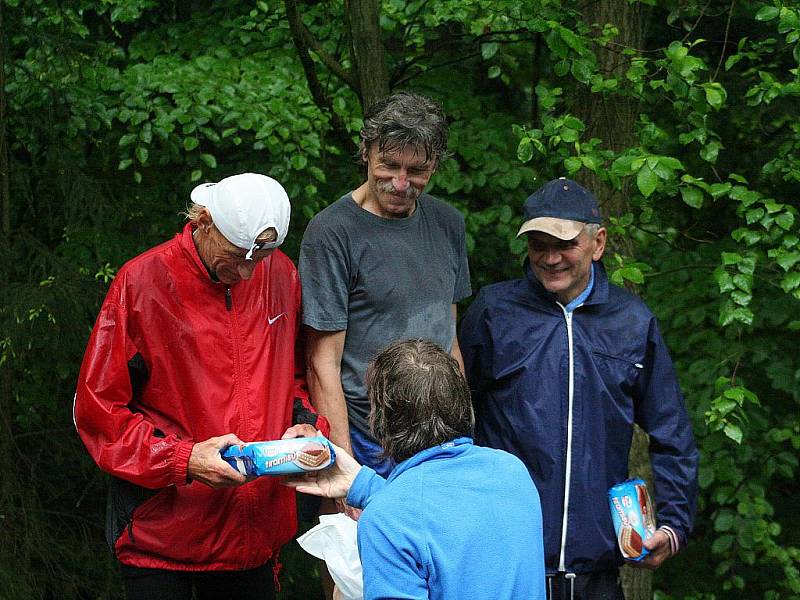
x=174 y=359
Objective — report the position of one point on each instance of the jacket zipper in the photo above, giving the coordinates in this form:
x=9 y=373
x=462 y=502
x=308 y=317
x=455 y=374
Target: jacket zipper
x=244 y=426
x=568 y=459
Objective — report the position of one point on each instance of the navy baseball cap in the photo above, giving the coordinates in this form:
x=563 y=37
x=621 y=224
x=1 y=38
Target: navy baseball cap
x=560 y=208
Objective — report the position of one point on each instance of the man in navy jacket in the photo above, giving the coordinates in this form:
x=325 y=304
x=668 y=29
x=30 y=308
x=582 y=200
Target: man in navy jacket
x=561 y=363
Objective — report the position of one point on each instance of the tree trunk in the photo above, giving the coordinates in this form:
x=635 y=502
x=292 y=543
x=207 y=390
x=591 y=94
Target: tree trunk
x=363 y=19
x=613 y=120
x=5 y=196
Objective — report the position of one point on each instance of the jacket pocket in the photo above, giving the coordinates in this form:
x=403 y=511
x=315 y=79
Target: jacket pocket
x=123 y=499
x=620 y=375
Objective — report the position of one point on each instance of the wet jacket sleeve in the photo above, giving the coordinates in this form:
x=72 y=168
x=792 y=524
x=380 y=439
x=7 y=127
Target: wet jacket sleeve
x=121 y=441
x=661 y=412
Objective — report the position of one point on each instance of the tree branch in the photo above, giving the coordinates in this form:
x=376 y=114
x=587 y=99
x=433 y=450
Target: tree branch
x=725 y=41
x=321 y=99
x=301 y=32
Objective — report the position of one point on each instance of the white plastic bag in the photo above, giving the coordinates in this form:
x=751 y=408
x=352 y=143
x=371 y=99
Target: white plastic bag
x=334 y=541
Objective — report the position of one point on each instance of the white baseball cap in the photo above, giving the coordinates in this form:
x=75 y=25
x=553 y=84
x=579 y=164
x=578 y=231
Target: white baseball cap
x=243 y=206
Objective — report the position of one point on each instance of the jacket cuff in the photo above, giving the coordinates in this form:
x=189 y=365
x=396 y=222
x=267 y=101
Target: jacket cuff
x=302 y=413
x=180 y=463
x=366 y=484
x=674 y=540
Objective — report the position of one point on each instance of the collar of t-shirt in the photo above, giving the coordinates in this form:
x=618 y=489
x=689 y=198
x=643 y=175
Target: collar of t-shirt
x=581 y=298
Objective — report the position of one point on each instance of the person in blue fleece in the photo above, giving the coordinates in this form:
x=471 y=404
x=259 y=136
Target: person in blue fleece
x=452 y=520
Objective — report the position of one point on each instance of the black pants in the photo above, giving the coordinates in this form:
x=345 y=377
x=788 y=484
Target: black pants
x=160 y=584
x=600 y=585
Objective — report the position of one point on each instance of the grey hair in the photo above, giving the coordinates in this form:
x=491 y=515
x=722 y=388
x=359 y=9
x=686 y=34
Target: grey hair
x=419 y=398
x=591 y=229
x=193 y=212
x=405 y=120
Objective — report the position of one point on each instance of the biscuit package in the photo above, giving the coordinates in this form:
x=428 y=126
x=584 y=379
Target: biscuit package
x=281 y=457
x=634 y=520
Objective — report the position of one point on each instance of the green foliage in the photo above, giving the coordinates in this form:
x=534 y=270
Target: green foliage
x=116 y=109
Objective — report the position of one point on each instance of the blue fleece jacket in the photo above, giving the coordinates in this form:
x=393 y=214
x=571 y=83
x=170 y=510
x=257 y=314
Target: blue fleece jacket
x=453 y=521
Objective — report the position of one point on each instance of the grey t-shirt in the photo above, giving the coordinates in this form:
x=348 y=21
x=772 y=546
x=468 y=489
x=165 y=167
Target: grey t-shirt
x=382 y=280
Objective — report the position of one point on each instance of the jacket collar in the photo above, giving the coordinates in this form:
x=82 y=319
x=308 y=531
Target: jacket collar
x=446 y=450
x=599 y=294
x=186 y=243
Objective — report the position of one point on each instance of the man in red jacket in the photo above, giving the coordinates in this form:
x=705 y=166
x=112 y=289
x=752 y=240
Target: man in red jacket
x=195 y=349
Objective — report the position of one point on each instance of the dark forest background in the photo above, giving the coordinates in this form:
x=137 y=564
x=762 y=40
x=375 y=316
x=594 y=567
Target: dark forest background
x=680 y=114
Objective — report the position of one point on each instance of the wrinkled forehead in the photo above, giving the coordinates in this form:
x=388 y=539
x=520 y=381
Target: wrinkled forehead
x=408 y=155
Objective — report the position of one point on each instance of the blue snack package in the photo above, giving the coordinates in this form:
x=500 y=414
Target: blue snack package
x=281 y=457
x=634 y=520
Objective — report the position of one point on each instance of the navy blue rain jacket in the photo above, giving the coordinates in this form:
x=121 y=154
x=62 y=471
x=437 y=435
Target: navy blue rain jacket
x=525 y=356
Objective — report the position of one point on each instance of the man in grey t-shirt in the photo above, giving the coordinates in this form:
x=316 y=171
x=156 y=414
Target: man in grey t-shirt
x=384 y=263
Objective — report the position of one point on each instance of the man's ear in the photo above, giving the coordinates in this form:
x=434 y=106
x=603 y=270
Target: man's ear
x=204 y=220
x=599 y=244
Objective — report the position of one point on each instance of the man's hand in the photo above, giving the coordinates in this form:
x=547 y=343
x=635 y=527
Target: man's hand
x=206 y=464
x=659 y=548
x=333 y=482
x=300 y=430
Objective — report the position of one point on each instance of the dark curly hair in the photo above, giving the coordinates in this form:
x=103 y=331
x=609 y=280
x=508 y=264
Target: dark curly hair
x=419 y=398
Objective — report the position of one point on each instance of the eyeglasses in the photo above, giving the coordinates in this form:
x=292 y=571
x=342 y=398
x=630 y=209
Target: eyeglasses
x=259 y=246
x=237 y=253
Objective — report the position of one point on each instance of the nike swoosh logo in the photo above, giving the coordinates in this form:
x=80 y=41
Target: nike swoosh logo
x=271 y=320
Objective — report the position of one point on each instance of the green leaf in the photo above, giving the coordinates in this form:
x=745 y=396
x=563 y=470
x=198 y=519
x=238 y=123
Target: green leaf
x=732 y=60
x=743 y=282
x=494 y=72
x=715 y=95
x=572 y=164
x=142 y=154
x=489 y=50
x=646 y=181
x=790 y=281
x=196 y=175
x=692 y=196
x=127 y=139
x=767 y=13
x=569 y=135
x=724 y=280
x=785 y=220
x=561 y=68
x=298 y=161
x=525 y=150
x=582 y=70
x=724 y=521
x=710 y=152
x=209 y=160
x=318 y=174
x=719 y=189
x=631 y=274
x=788 y=260
x=190 y=143
x=734 y=432
x=590 y=162
x=731 y=258
x=124 y=164
x=741 y=298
